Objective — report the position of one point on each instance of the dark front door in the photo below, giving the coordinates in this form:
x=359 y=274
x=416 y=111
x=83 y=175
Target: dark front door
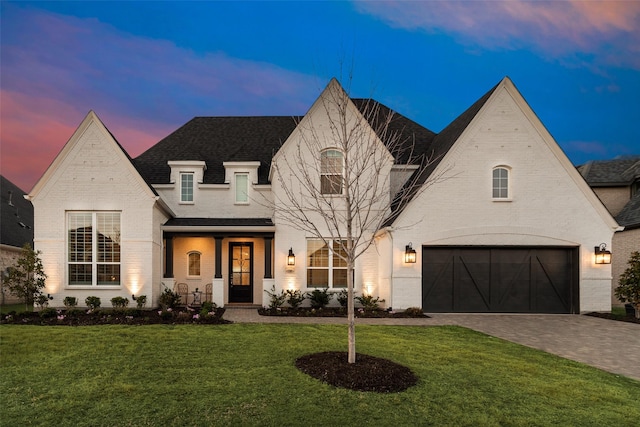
x=500 y=279
x=241 y=272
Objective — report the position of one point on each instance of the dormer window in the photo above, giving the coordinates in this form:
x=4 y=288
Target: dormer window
x=242 y=187
x=186 y=187
x=501 y=183
x=331 y=172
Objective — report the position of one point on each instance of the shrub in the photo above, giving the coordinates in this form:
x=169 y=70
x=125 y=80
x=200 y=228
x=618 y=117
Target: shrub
x=414 y=312
x=42 y=300
x=119 y=302
x=343 y=298
x=369 y=302
x=209 y=306
x=295 y=297
x=140 y=300
x=48 y=312
x=92 y=302
x=74 y=312
x=319 y=298
x=70 y=302
x=628 y=289
x=26 y=279
x=169 y=299
x=275 y=300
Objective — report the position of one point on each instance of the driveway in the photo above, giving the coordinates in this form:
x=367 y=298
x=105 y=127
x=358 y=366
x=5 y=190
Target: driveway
x=605 y=344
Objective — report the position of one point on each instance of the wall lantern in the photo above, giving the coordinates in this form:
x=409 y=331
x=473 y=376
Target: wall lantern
x=409 y=254
x=291 y=258
x=603 y=256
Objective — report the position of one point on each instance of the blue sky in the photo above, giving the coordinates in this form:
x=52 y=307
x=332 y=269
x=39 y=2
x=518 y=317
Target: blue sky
x=148 y=67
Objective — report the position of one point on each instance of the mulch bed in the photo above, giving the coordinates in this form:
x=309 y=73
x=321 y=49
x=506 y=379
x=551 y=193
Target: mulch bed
x=369 y=373
x=618 y=317
x=114 y=317
x=338 y=312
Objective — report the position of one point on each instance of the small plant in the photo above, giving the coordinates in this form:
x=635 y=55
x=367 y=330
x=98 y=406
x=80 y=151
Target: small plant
x=140 y=300
x=319 y=298
x=343 y=298
x=275 y=300
x=119 y=302
x=169 y=299
x=628 y=289
x=414 y=312
x=42 y=300
x=92 y=302
x=74 y=312
x=369 y=302
x=70 y=302
x=26 y=279
x=295 y=297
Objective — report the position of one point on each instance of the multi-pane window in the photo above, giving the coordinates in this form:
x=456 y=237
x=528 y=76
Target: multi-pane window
x=186 y=187
x=331 y=172
x=242 y=187
x=501 y=183
x=194 y=264
x=326 y=264
x=94 y=248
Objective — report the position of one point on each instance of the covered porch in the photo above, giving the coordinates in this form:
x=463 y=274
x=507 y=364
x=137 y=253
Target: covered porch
x=225 y=261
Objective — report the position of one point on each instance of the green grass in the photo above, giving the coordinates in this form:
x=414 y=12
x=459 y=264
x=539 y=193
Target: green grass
x=243 y=374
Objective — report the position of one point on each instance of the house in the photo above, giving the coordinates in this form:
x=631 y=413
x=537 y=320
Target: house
x=617 y=183
x=499 y=221
x=16 y=230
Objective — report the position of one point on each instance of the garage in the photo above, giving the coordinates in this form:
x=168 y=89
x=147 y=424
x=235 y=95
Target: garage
x=472 y=279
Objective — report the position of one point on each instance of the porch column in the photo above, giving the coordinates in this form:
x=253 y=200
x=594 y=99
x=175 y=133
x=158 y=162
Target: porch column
x=218 y=256
x=268 y=274
x=168 y=272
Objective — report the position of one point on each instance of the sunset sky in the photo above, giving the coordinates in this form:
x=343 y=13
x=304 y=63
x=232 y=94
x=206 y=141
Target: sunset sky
x=148 y=67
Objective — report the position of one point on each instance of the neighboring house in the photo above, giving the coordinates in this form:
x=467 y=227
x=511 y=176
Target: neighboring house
x=16 y=229
x=617 y=183
x=509 y=225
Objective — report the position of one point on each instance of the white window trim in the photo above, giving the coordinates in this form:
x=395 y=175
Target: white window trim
x=509 y=197
x=193 y=186
x=341 y=193
x=94 y=251
x=330 y=267
x=235 y=184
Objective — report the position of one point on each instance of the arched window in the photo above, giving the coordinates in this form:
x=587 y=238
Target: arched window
x=331 y=172
x=501 y=182
x=194 y=264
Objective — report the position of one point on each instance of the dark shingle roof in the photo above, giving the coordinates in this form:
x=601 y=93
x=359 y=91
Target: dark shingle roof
x=215 y=140
x=219 y=222
x=16 y=215
x=629 y=216
x=617 y=172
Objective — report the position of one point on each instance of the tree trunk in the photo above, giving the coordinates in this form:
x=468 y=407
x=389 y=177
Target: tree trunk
x=350 y=313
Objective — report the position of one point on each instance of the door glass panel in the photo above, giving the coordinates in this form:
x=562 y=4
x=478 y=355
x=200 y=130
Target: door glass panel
x=241 y=265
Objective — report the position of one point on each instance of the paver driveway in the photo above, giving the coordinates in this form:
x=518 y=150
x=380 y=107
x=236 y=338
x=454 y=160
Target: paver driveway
x=602 y=343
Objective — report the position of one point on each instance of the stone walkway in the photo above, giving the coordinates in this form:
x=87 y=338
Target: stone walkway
x=605 y=344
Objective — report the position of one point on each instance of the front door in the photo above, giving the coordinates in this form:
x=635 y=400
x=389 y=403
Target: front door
x=241 y=272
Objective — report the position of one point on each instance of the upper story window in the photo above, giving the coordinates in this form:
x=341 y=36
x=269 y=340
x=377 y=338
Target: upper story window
x=242 y=187
x=186 y=187
x=194 y=264
x=501 y=183
x=331 y=172
x=93 y=251
x=326 y=264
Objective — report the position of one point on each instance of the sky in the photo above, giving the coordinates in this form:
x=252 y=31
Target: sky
x=148 y=67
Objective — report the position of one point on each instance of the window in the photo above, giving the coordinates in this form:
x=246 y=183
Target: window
x=194 y=264
x=500 y=183
x=94 y=248
x=242 y=187
x=186 y=187
x=331 y=172
x=326 y=268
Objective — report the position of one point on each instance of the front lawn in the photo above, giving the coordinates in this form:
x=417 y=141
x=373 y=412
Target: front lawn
x=244 y=374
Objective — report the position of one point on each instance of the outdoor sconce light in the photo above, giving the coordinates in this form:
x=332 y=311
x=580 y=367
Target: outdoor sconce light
x=603 y=256
x=409 y=254
x=291 y=258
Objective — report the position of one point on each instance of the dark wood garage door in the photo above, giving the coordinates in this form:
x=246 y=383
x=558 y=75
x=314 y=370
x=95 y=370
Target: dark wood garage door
x=500 y=280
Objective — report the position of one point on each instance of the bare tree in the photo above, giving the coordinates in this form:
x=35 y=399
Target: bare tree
x=336 y=181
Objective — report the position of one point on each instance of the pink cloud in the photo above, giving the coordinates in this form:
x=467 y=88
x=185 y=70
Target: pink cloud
x=607 y=29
